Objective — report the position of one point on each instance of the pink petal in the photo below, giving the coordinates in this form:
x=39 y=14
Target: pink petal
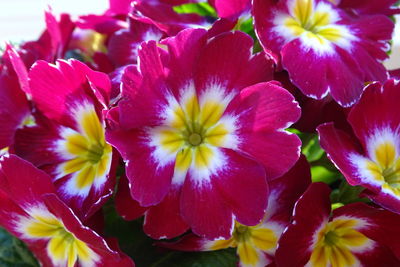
x=232 y=9
x=243 y=187
x=377 y=108
x=144 y=173
x=227 y=61
x=16 y=172
x=277 y=151
x=204 y=209
x=127 y=208
x=264 y=106
x=287 y=189
x=164 y=220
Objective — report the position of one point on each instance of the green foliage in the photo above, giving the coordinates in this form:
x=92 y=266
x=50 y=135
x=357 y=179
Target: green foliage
x=311 y=148
x=14 y=253
x=323 y=174
x=202 y=9
x=347 y=194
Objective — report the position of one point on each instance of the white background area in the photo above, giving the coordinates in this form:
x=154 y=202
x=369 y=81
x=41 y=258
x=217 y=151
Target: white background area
x=24 y=20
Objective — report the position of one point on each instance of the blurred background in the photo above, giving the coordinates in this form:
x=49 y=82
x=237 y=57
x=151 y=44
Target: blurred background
x=24 y=20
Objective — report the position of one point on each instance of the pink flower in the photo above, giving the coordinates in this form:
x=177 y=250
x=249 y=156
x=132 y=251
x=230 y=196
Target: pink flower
x=68 y=139
x=373 y=161
x=31 y=211
x=324 y=49
x=256 y=245
x=353 y=235
x=198 y=131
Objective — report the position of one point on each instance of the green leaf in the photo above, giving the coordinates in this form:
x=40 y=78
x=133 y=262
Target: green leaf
x=347 y=194
x=202 y=9
x=311 y=148
x=14 y=253
x=322 y=174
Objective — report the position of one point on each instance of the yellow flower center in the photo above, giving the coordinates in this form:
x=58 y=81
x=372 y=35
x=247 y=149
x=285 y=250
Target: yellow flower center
x=315 y=23
x=251 y=242
x=195 y=139
x=385 y=165
x=89 y=156
x=63 y=247
x=335 y=242
x=192 y=131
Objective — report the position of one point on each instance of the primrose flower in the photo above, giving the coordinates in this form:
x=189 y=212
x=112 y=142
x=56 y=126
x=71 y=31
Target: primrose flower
x=68 y=139
x=374 y=161
x=324 y=49
x=256 y=245
x=353 y=235
x=34 y=214
x=197 y=129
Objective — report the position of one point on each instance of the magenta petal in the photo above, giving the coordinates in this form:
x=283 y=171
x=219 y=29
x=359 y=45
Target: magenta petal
x=243 y=187
x=13 y=110
x=35 y=182
x=36 y=143
x=119 y=7
x=277 y=151
x=377 y=108
x=222 y=56
x=54 y=31
x=123 y=44
x=53 y=85
x=286 y=190
x=232 y=8
x=311 y=211
x=142 y=109
x=265 y=106
x=127 y=208
x=20 y=69
x=164 y=220
x=338 y=145
x=385 y=7
x=184 y=51
x=144 y=173
x=189 y=242
x=319 y=76
x=164 y=17
x=204 y=209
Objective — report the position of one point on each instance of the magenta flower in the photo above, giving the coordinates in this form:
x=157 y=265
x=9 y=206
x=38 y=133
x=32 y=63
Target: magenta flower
x=373 y=162
x=256 y=245
x=324 y=49
x=197 y=127
x=353 y=235
x=35 y=214
x=68 y=139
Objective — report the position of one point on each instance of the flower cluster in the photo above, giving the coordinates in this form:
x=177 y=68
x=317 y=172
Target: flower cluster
x=203 y=118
